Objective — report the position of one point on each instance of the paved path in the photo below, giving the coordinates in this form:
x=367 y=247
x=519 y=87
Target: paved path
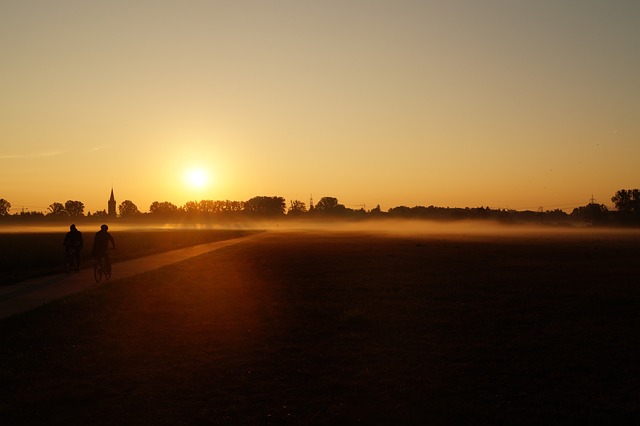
x=32 y=293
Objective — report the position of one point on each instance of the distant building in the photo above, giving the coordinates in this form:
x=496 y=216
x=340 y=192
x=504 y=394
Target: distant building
x=112 y=205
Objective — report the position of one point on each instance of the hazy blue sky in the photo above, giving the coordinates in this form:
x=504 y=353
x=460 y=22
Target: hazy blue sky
x=507 y=104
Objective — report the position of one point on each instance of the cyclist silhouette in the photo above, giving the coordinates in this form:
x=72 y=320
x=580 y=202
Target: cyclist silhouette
x=73 y=241
x=101 y=243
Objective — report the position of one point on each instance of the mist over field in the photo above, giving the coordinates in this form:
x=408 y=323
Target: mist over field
x=442 y=228
x=389 y=227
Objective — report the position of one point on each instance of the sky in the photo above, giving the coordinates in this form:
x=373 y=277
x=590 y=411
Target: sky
x=463 y=103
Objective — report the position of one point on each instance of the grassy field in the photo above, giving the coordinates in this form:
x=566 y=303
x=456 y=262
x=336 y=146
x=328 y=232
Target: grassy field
x=28 y=254
x=343 y=328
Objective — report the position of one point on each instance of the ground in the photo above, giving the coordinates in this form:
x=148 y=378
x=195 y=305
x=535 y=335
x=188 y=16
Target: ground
x=351 y=327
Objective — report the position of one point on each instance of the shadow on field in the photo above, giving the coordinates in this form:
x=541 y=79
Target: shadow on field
x=321 y=328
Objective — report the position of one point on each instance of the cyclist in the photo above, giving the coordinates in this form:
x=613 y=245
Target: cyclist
x=73 y=240
x=101 y=244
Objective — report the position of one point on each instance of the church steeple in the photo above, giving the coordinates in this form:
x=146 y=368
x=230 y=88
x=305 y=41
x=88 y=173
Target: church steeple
x=112 y=205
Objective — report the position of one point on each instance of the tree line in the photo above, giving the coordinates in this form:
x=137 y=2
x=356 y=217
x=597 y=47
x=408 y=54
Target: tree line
x=626 y=202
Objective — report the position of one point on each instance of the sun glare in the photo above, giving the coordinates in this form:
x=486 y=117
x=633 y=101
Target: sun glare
x=196 y=178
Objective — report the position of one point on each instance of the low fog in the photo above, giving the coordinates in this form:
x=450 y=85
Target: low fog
x=389 y=227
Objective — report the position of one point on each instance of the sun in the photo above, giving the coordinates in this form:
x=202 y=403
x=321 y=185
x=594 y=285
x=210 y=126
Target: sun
x=196 y=178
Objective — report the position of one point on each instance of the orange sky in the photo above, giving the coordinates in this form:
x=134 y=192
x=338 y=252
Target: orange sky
x=460 y=103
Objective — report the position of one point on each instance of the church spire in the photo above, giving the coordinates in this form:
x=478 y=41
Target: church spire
x=112 y=205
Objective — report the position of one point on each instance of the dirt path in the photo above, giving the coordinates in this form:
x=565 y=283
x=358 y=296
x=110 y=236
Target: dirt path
x=30 y=294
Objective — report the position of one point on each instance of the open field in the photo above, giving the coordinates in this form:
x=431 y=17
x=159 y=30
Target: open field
x=352 y=327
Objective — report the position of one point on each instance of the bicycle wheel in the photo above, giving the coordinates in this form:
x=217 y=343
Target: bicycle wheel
x=70 y=261
x=107 y=269
x=73 y=264
x=67 y=266
x=97 y=270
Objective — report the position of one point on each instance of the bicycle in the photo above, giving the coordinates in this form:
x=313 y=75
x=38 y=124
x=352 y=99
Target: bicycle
x=101 y=267
x=71 y=260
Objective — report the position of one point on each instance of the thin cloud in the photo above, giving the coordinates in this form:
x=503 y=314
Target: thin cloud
x=49 y=154
x=35 y=155
x=97 y=148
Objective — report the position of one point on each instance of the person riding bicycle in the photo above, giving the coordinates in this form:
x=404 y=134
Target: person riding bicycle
x=101 y=243
x=73 y=240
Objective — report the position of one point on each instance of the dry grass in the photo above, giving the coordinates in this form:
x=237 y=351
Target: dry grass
x=342 y=328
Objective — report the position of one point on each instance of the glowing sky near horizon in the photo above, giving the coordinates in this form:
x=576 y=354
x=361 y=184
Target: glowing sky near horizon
x=506 y=104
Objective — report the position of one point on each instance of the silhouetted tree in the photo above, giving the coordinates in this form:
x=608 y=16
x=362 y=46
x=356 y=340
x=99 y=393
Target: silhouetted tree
x=5 y=207
x=164 y=208
x=400 y=212
x=211 y=207
x=74 y=208
x=361 y=213
x=232 y=206
x=265 y=206
x=330 y=206
x=557 y=216
x=627 y=202
x=296 y=208
x=214 y=207
x=101 y=213
x=57 y=209
x=327 y=203
x=192 y=208
x=128 y=209
x=595 y=214
x=376 y=211
x=30 y=215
